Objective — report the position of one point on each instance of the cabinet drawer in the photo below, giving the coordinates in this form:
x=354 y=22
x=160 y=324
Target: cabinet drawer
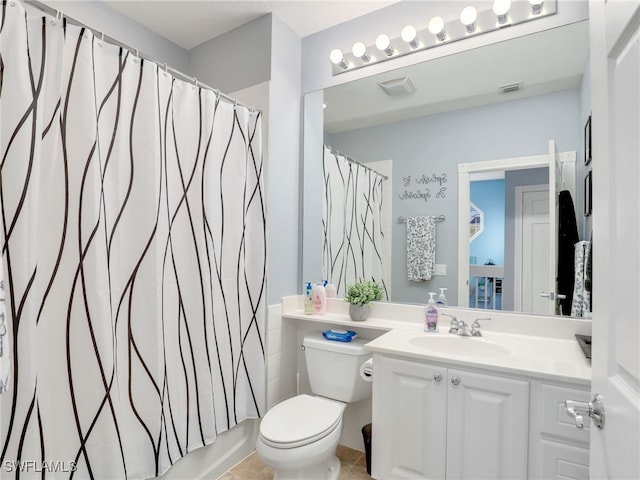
x=561 y=461
x=555 y=420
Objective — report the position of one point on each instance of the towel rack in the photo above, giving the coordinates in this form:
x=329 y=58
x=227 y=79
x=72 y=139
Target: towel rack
x=436 y=218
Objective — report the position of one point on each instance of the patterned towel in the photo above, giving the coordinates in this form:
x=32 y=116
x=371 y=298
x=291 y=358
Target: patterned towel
x=421 y=248
x=581 y=293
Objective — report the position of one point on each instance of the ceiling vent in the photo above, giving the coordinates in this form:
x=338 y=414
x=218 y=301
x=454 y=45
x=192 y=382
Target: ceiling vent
x=511 y=87
x=398 y=86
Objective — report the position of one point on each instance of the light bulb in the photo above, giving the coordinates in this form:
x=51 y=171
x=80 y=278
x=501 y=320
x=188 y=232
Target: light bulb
x=359 y=50
x=501 y=9
x=337 y=58
x=409 y=35
x=468 y=17
x=536 y=6
x=383 y=44
x=436 y=27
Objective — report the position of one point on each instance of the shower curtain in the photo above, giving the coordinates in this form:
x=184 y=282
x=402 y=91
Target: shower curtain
x=351 y=221
x=133 y=241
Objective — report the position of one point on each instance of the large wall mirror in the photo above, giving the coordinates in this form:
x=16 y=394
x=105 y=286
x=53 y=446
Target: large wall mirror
x=497 y=102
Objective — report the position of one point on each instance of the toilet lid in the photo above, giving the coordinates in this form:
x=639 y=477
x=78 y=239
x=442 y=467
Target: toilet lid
x=299 y=421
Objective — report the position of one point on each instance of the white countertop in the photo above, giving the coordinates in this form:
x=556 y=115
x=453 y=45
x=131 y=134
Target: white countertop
x=542 y=357
x=548 y=353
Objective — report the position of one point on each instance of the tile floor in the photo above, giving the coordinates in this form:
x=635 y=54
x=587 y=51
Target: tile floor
x=352 y=463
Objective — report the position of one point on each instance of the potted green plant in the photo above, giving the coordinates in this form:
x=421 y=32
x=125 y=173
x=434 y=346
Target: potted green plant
x=359 y=295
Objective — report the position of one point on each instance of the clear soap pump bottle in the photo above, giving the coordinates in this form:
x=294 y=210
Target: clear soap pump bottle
x=431 y=315
x=442 y=298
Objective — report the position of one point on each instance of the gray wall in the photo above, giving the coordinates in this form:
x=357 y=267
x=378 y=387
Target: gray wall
x=513 y=179
x=436 y=144
x=116 y=25
x=237 y=59
x=585 y=224
x=283 y=177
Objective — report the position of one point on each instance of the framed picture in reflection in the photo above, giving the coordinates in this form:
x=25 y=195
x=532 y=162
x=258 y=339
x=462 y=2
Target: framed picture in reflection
x=587 y=195
x=587 y=142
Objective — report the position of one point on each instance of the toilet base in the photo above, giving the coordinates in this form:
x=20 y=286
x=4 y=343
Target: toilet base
x=314 y=461
x=328 y=470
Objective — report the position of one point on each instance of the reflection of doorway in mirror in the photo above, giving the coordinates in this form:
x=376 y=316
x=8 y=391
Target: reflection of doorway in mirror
x=531 y=248
x=476 y=222
x=487 y=194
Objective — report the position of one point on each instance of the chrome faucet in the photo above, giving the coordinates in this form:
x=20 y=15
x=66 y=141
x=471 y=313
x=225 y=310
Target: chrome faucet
x=453 y=324
x=463 y=329
x=475 y=327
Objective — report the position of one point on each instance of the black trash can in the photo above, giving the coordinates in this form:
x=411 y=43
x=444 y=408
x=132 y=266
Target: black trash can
x=366 y=436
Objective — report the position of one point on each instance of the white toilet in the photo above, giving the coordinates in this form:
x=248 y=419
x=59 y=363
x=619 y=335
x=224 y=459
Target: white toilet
x=298 y=437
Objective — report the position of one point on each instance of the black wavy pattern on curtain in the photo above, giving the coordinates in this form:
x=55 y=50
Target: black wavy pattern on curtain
x=353 y=202
x=169 y=430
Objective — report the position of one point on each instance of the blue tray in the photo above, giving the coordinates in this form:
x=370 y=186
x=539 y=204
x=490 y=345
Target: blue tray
x=339 y=335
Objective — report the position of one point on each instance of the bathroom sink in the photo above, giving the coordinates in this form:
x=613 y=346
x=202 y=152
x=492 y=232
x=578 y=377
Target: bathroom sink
x=457 y=345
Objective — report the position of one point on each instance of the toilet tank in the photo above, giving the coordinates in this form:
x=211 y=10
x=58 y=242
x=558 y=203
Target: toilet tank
x=334 y=368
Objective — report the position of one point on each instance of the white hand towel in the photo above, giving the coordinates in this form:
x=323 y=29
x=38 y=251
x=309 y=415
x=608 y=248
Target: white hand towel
x=421 y=248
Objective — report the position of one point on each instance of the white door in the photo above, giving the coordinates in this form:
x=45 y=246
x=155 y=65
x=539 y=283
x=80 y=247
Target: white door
x=615 y=71
x=532 y=250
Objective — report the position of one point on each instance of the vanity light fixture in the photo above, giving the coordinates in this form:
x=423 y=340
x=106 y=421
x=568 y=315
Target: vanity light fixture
x=337 y=58
x=501 y=9
x=384 y=44
x=468 y=17
x=359 y=50
x=437 y=31
x=409 y=34
x=436 y=27
x=536 y=6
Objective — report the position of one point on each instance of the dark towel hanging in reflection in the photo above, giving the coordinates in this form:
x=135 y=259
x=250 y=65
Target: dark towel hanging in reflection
x=567 y=238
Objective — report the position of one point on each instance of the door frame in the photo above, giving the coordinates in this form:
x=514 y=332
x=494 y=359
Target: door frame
x=464 y=197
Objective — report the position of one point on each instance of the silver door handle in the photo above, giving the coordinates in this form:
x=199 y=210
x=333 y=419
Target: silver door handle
x=553 y=295
x=594 y=409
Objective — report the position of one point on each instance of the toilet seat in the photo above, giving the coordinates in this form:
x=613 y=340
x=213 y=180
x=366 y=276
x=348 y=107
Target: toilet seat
x=299 y=421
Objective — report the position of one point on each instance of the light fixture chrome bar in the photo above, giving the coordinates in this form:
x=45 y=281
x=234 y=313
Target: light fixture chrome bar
x=521 y=11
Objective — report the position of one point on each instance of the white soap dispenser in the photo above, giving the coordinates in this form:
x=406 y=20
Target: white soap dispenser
x=442 y=298
x=431 y=315
x=319 y=299
x=331 y=290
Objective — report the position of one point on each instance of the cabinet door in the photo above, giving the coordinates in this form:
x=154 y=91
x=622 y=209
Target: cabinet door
x=487 y=425
x=409 y=420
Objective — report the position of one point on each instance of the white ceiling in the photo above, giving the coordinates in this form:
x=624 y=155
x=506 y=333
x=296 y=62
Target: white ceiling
x=189 y=23
x=544 y=62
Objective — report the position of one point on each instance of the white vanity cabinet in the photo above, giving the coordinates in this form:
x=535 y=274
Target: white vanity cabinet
x=433 y=422
x=440 y=422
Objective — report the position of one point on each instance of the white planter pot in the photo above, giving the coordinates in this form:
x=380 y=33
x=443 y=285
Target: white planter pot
x=358 y=313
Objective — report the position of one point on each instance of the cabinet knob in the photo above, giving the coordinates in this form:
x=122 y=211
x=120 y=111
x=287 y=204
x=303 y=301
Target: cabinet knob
x=437 y=377
x=455 y=380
